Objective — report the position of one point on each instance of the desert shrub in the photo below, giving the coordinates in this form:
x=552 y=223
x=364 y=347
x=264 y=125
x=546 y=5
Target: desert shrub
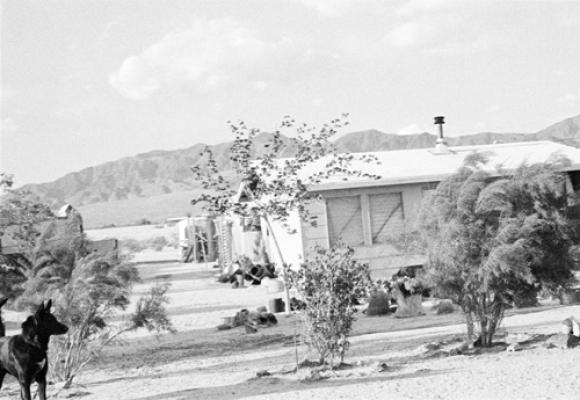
x=150 y=311
x=444 y=307
x=91 y=308
x=328 y=282
x=525 y=295
x=89 y=292
x=157 y=243
x=12 y=275
x=132 y=245
x=379 y=304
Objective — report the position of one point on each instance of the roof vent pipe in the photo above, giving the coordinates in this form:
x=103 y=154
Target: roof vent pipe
x=441 y=144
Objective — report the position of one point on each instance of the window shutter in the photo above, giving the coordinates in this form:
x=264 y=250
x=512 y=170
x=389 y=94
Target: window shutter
x=386 y=216
x=345 y=220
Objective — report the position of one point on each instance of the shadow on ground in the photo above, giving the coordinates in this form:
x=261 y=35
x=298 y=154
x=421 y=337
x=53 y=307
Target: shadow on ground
x=269 y=385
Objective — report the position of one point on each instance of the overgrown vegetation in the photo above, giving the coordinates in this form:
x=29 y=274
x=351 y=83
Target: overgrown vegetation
x=21 y=218
x=89 y=289
x=330 y=282
x=491 y=236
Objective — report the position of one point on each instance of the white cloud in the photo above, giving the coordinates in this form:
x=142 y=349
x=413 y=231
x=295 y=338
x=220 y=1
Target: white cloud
x=419 y=6
x=411 y=34
x=412 y=129
x=317 y=102
x=335 y=8
x=8 y=125
x=261 y=85
x=446 y=33
x=206 y=56
x=570 y=100
x=571 y=21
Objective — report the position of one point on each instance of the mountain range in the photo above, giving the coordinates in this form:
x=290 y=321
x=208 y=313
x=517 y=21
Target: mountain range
x=159 y=184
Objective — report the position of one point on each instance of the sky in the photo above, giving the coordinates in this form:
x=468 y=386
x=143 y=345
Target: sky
x=86 y=82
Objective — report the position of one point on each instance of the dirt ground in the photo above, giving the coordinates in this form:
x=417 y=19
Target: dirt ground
x=388 y=357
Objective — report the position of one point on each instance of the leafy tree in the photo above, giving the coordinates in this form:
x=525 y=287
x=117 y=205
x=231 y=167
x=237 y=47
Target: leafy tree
x=277 y=186
x=330 y=281
x=21 y=217
x=487 y=237
x=90 y=291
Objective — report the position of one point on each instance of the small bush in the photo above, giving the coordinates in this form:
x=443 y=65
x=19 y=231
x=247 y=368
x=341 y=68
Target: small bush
x=131 y=245
x=157 y=243
x=329 y=282
x=444 y=307
x=379 y=304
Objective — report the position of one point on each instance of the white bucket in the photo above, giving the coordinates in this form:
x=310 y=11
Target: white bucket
x=275 y=286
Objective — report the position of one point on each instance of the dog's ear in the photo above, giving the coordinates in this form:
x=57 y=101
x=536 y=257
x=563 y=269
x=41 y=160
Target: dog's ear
x=3 y=301
x=29 y=327
x=40 y=308
x=48 y=305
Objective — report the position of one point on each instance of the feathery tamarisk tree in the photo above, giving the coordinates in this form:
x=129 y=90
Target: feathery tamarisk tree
x=490 y=235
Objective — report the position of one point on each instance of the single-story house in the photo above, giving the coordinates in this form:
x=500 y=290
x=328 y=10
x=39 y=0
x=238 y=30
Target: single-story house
x=368 y=213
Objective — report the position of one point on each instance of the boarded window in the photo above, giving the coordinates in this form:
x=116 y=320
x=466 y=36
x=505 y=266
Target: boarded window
x=345 y=220
x=386 y=216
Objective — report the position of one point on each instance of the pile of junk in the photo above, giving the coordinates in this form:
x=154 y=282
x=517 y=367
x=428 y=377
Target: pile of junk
x=244 y=270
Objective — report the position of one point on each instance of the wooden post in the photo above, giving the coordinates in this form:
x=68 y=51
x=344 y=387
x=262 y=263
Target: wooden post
x=284 y=277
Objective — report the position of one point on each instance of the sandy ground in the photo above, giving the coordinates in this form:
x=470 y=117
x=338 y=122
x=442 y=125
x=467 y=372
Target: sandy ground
x=201 y=363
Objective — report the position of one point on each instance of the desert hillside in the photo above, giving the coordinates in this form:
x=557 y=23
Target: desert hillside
x=159 y=184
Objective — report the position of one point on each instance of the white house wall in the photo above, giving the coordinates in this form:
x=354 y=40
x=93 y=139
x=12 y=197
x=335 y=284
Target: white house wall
x=290 y=244
x=383 y=259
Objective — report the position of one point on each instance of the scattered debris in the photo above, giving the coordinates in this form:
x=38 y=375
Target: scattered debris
x=250 y=319
x=432 y=346
x=297 y=304
x=382 y=367
x=261 y=373
x=561 y=341
x=253 y=273
x=517 y=338
x=514 y=347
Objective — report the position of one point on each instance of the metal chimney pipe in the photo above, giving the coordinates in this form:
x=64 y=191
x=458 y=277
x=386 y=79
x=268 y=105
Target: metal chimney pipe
x=440 y=121
x=441 y=144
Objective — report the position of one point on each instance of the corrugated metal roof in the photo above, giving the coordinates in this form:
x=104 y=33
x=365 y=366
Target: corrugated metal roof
x=425 y=165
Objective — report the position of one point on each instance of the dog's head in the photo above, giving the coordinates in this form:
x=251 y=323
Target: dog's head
x=43 y=323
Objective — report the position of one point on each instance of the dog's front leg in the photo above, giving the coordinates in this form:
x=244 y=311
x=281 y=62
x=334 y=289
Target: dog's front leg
x=25 y=389
x=41 y=380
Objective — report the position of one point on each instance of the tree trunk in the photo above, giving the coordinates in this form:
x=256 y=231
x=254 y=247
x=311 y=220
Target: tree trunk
x=470 y=326
x=284 y=273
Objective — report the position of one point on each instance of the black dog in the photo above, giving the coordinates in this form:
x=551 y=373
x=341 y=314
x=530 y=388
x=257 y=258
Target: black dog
x=24 y=355
x=2 y=328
